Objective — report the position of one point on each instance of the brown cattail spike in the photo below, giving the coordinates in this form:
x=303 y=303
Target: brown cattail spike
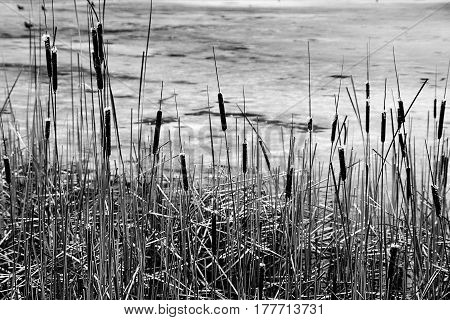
x=400 y=113
x=55 y=68
x=98 y=70
x=310 y=124
x=7 y=169
x=101 y=53
x=435 y=108
x=441 y=119
x=244 y=157
x=436 y=199
x=367 y=116
x=408 y=183
x=367 y=90
x=184 y=171
x=157 y=131
x=48 y=54
x=223 y=116
x=342 y=163
x=383 y=127
x=445 y=172
x=107 y=132
x=333 y=128
x=99 y=76
x=94 y=41
x=47 y=129
x=289 y=183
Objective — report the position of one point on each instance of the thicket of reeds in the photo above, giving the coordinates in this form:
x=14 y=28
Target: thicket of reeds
x=74 y=224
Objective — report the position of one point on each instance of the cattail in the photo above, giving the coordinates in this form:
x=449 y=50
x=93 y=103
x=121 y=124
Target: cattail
x=445 y=171
x=157 y=131
x=99 y=76
x=7 y=169
x=402 y=144
x=107 y=132
x=184 y=172
x=342 y=164
x=223 y=117
x=244 y=157
x=48 y=54
x=47 y=128
x=266 y=156
x=310 y=124
x=367 y=116
x=333 y=128
x=383 y=127
x=101 y=53
x=55 y=68
x=435 y=108
x=436 y=199
x=400 y=113
x=289 y=183
x=408 y=183
x=441 y=119
x=367 y=90
x=94 y=41
x=98 y=70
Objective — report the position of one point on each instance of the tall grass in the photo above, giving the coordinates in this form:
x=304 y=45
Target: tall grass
x=75 y=224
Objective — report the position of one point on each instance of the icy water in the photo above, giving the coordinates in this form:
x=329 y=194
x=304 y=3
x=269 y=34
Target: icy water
x=260 y=46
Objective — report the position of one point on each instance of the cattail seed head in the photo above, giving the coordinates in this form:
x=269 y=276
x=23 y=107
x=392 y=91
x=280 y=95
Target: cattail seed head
x=99 y=76
x=48 y=54
x=383 y=127
x=98 y=70
x=7 y=169
x=435 y=108
x=47 y=129
x=107 y=132
x=244 y=157
x=310 y=124
x=408 y=183
x=184 y=171
x=94 y=41
x=367 y=116
x=400 y=113
x=55 y=68
x=157 y=131
x=223 y=116
x=333 y=128
x=445 y=172
x=342 y=163
x=441 y=119
x=436 y=199
x=101 y=53
x=367 y=90
x=288 y=189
